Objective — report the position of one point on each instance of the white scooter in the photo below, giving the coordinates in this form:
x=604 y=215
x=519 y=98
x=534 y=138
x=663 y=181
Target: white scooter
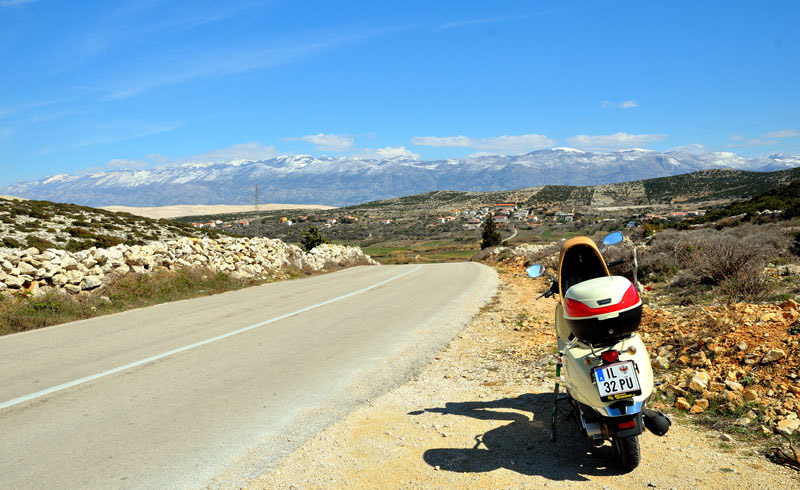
x=607 y=374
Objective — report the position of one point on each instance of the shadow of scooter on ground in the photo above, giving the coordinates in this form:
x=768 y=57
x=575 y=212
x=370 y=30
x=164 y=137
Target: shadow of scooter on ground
x=524 y=444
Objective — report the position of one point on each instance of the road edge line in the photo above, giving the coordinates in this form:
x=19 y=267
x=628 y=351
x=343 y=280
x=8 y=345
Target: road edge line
x=147 y=360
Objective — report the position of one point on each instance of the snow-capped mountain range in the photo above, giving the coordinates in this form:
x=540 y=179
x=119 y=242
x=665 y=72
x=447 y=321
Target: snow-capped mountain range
x=304 y=179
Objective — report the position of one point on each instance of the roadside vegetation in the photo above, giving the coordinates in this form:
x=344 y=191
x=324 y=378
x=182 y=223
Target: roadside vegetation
x=20 y=312
x=751 y=262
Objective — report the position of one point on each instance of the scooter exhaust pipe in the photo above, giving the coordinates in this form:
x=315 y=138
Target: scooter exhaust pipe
x=656 y=422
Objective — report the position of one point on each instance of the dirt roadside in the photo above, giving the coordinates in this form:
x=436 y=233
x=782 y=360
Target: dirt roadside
x=478 y=417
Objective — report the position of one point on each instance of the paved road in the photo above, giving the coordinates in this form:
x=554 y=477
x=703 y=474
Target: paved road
x=210 y=391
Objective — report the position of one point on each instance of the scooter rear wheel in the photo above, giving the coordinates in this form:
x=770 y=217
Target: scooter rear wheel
x=627 y=452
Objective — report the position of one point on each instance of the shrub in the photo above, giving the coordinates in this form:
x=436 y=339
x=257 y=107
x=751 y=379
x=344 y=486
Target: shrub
x=9 y=242
x=312 y=238
x=732 y=258
x=40 y=243
x=795 y=245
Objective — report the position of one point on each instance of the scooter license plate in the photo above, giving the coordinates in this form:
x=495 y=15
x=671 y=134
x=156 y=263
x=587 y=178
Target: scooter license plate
x=617 y=381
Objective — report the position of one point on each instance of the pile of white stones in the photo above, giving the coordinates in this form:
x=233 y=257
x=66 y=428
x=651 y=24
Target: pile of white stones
x=36 y=270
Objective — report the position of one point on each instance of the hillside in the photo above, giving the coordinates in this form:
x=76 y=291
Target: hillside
x=426 y=216
x=695 y=187
x=44 y=224
x=785 y=199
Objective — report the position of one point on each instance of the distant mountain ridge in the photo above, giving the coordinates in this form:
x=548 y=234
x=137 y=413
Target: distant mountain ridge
x=350 y=180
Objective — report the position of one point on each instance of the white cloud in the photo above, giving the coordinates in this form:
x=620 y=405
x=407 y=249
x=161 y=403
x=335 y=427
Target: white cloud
x=616 y=141
x=6 y=133
x=327 y=142
x=743 y=142
x=388 y=152
x=626 y=104
x=503 y=144
x=695 y=148
x=782 y=134
x=243 y=151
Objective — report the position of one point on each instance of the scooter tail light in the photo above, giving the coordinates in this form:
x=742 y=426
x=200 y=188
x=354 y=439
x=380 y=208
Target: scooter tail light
x=627 y=425
x=610 y=356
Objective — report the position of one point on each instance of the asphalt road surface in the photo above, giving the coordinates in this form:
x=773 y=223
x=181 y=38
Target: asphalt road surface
x=211 y=391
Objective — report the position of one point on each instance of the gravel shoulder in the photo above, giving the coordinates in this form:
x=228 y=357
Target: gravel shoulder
x=477 y=417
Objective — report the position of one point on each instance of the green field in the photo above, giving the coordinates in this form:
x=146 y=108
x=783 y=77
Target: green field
x=421 y=251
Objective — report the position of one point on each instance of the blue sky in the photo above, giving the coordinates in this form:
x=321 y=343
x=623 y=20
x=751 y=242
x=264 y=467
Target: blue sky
x=98 y=85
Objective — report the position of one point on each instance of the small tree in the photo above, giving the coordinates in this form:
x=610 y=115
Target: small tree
x=312 y=238
x=490 y=237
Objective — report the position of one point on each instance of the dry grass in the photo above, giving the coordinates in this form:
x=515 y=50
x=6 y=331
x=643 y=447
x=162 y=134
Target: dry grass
x=19 y=312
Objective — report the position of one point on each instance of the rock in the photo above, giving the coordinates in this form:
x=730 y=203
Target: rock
x=682 y=404
x=72 y=288
x=699 y=359
x=788 y=426
x=741 y=346
x=661 y=362
x=732 y=397
x=700 y=406
x=105 y=300
x=91 y=282
x=74 y=276
x=26 y=268
x=699 y=382
x=726 y=438
x=716 y=386
x=773 y=355
x=14 y=282
x=768 y=317
x=68 y=263
x=750 y=395
x=734 y=386
x=790 y=304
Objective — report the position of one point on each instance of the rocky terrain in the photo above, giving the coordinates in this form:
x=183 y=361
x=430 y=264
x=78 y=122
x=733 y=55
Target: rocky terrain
x=39 y=270
x=739 y=360
x=478 y=415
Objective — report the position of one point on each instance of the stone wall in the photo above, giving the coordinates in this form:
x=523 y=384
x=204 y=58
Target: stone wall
x=242 y=257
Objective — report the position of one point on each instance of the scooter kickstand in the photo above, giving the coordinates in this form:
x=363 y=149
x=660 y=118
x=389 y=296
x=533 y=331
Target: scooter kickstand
x=554 y=415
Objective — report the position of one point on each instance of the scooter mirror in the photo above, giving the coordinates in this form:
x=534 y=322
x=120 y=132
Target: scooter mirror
x=535 y=270
x=613 y=238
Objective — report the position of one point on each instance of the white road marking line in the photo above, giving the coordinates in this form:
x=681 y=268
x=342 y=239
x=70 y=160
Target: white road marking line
x=115 y=370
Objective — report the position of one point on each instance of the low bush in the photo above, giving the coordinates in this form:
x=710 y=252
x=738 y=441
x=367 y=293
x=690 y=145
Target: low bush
x=732 y=259
x=21 y=312
x=9 y=242
x=39 y=242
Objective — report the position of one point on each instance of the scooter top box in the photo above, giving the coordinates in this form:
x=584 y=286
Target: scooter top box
x=602 y=310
